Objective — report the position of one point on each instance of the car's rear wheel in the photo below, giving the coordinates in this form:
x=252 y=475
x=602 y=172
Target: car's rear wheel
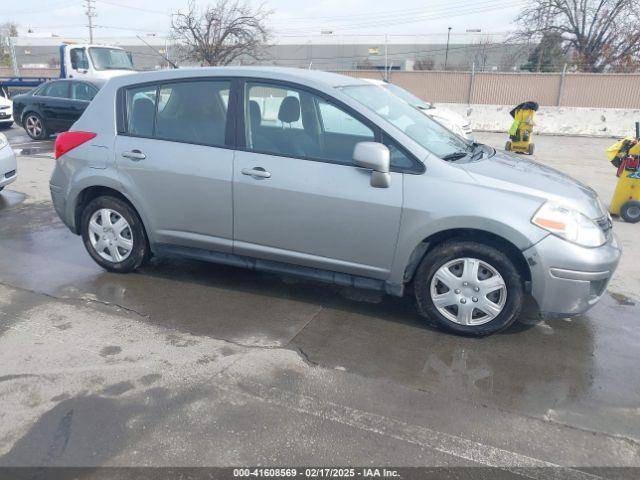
x=468 y=288
x=113 y=234
x=35 y=127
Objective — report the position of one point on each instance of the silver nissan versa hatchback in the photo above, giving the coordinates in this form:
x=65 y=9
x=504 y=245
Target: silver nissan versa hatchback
x=331 y=178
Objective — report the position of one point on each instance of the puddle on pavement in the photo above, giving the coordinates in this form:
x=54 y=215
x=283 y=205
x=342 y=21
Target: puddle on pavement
x=580 y=365
x=35 y=150
x=10 y=198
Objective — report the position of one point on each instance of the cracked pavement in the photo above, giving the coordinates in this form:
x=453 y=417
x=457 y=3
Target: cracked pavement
x=191 y=364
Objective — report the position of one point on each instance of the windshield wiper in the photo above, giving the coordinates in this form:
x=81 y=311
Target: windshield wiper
x=450 y=157
x=476 y=150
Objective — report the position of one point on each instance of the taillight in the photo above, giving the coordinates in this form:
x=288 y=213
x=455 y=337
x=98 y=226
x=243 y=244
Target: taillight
x=67 y=141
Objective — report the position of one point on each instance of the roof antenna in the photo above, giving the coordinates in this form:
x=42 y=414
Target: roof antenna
x=164 y=57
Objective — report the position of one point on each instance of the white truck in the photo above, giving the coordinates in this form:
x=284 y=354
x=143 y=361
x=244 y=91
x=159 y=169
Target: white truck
x=81 y=61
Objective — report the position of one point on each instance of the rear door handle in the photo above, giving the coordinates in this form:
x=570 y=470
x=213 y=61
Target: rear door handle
x=135 y=155
x=257 y=172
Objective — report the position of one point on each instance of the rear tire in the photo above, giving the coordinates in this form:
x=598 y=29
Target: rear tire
x=114 y=235
x=462 y=309
x=35 y=127
x=630 y=211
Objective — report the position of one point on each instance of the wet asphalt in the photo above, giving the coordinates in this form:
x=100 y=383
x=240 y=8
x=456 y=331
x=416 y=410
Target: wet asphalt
x=562 y=391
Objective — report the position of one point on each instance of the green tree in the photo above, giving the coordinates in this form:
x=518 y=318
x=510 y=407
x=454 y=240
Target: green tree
x=548 y=55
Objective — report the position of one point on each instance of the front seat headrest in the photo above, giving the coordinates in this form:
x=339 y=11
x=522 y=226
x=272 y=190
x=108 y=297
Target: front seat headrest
x=255 y=115
x=289 y=110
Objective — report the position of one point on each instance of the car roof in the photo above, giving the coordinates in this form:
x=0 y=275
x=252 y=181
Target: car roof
x=97 y=82
x=296 y=75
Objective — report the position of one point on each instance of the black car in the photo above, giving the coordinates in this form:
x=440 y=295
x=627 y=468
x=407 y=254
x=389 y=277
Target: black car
x=53 y=106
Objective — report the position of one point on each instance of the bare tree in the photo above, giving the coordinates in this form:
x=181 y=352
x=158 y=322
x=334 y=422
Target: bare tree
x=220 y=34
x=600 y=35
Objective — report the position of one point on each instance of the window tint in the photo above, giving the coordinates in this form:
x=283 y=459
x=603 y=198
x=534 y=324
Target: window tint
x=398 y=157
x=82 y=91
x=57 y=89
x=296 y=123
x=194 y=112
x=141 y=108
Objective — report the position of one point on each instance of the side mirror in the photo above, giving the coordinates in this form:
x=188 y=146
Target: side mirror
x=375 y=157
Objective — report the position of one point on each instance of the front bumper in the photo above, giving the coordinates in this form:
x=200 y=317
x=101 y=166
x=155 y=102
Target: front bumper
x=567 y=279
x=6 y=116
x=8 y=168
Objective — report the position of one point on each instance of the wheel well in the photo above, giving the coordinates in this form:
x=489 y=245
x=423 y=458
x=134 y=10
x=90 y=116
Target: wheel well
x=89 y=194
x=468 y=234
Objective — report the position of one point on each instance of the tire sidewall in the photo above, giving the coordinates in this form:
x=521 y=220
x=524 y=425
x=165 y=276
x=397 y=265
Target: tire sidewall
x=446 y=252
x=625 y=207
x=140 y=250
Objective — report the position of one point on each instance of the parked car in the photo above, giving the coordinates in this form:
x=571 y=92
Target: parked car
x=331 y=178
x=443 y=116
x=54 y=106
x=6 y=109
x=8 y=166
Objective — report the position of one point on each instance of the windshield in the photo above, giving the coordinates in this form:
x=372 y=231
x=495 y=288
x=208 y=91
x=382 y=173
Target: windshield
x=407 y=96
x=110 y=59
x=415 y=124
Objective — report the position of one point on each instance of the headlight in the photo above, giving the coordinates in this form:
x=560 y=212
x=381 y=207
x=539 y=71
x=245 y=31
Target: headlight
x=3 y=141
x=569 y=224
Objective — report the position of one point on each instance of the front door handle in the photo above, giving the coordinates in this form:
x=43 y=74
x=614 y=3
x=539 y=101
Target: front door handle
x=256 y=172
x=135 y=155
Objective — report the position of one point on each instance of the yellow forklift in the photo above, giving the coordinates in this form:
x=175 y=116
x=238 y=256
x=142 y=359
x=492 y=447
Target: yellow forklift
x=521 y=131
x=625 y=156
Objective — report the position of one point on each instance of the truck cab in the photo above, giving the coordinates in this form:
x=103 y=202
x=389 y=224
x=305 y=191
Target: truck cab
x=94 y=61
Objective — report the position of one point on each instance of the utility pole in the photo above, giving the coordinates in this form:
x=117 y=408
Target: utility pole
x=446 y=53
x=386 y=57
x=90 y=12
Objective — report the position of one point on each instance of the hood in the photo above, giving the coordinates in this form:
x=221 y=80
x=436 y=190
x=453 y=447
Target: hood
x=519 y=174
x=446 y=115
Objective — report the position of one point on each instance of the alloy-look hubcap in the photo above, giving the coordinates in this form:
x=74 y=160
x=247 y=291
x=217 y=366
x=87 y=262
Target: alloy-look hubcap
x=110 y=235
x=468 y=291
x=34 y=126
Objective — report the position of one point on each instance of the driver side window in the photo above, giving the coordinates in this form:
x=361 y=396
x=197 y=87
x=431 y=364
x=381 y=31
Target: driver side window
x=295 y=123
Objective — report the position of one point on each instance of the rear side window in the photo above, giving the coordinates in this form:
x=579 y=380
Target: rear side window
x=141 y=110
x=83 y=91
x=191 y=112
x=57 y=89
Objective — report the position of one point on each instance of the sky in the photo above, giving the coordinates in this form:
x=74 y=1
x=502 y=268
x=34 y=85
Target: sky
x=66 y=18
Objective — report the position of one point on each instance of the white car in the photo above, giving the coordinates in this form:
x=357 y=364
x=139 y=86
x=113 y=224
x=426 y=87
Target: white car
x=6 y=109
x=8 y=168
x=451 y=120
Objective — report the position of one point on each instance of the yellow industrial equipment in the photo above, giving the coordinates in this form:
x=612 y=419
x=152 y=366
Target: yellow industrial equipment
x=521 y=131
x=625 y=156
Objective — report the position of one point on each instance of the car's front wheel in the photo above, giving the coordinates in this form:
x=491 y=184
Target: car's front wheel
x=468 y=288
x=113 y=234
x=35 y=127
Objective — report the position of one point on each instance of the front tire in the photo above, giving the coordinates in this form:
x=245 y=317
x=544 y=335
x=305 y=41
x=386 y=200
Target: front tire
x=35 y=127
x=114 y=235
x=468 y=288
